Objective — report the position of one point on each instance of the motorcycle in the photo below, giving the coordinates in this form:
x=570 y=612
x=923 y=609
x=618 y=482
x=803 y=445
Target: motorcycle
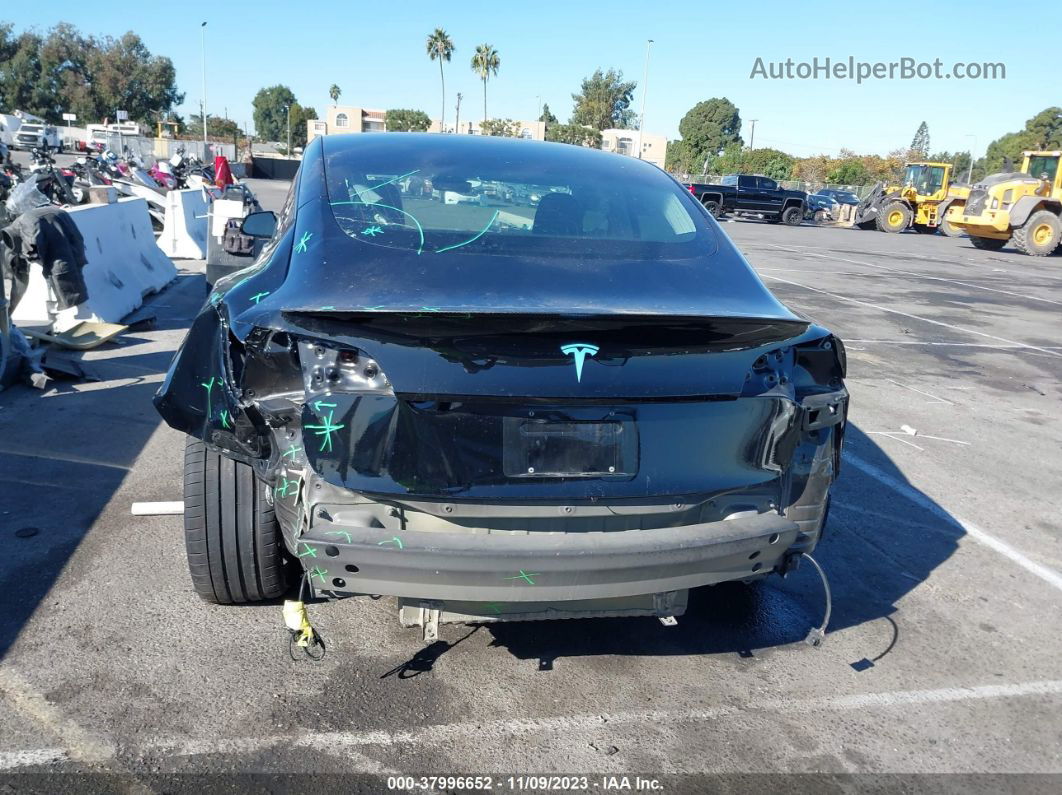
x=55 y=183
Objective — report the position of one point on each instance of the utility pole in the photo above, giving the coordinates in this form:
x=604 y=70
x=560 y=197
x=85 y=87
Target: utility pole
x=457 y=123
x=287 y=151
x=969 y=171
x=202 y=104
x=645 y=90
x=752 y=135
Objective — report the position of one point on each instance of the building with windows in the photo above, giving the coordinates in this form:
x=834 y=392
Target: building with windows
x=625 y=142
x=531 y=130
x=346 y=119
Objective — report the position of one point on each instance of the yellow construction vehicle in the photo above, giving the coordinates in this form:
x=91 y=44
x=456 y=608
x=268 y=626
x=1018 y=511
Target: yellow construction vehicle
x=1023 y=207
x=920 y=202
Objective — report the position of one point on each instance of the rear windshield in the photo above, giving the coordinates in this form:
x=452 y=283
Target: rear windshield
x=517 y=198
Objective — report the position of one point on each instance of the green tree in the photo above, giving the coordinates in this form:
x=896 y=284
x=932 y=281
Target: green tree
x=547 y=116
x=270 y=113
x=920 y=142
x=851 y=171
x=299 y=116
x=485 y=63
x=440 y=48
x=63 y=71
x=1042 y=131
x=217 y=127
x=402 y=120
x=604 y=101
x=334 y=91
x=574 y=134
x=503 y=128
x=707 y=129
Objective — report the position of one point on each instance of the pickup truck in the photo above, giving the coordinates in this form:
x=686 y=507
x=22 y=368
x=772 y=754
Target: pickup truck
x=744 y=194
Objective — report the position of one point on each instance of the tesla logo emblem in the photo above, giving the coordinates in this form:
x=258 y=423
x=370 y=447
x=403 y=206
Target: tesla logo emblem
x=578 y=351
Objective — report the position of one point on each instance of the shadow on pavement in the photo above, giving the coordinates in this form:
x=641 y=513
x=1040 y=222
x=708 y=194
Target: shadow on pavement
x=66 y=452
x=877 y=547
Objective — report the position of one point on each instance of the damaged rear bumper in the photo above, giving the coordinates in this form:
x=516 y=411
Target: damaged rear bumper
x=512 y=566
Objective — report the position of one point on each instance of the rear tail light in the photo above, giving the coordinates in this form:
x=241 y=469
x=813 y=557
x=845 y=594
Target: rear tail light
x=691 y=189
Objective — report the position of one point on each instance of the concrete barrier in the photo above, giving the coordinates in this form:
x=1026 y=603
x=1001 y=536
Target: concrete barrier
x=184 y=231
x=124 y=265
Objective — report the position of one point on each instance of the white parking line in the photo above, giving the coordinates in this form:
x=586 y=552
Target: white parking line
x=1048 y=575
x=447 y=733
x=12 y=760
x=795 y=250
x=880 y=308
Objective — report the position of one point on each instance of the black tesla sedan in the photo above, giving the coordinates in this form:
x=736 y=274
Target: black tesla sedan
x=432 y=388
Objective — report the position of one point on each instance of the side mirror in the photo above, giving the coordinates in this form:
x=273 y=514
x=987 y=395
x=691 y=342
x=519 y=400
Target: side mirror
x=262 y=224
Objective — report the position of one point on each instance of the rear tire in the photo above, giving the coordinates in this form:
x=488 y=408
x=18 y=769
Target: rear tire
x=1039 y=235
x=792 y=216
x=894 y=217
x=235 y=551
x=987 y=243
x=713 y=207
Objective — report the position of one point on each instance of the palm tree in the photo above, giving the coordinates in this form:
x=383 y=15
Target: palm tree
x=485 y=63
x=440 y=47
x=334 y=93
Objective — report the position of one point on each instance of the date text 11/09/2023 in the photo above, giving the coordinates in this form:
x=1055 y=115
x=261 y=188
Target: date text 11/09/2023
x=527 y=783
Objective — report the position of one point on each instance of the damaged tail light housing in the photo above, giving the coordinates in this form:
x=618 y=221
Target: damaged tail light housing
x=327 y=368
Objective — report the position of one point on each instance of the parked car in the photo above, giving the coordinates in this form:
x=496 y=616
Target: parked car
x=750 y=195
x=586 y=417
x=822 y=208
x=840 y=196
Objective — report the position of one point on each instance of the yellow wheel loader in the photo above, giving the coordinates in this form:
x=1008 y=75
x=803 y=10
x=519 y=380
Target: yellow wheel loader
x=920 y=202
x=1023 y=207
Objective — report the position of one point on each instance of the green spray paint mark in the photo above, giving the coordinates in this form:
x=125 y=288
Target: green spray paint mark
x=300 y=247
x=420 y=229
x=393 y=540
x=319 y=572
x=282 y=490
x=326 y=430
x=523 y=575
x=259 y=296
x=325 y=308
x=473 y=239
x=343 y=533
x=309 y=552
x=372 y=231
x=430 y=308
x=318 y=403
x=495 y=607
x=224 y=417
x=208 y=386
x=373 y=308
x=292 y=451
x=215 y=298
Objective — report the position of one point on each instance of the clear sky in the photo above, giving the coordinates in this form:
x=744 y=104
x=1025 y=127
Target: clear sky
x=375 y=52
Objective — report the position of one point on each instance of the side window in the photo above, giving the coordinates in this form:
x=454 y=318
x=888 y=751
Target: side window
x=747 y=182
x=767 y=184
x=729 y=180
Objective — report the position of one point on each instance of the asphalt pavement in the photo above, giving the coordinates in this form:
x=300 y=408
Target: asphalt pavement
x=943 y=550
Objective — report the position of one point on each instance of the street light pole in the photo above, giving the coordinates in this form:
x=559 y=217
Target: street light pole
x=202 y=107
x=969 y=171
x=645 y=89
x=288 y=150
x=457 y=121
x=752 y=135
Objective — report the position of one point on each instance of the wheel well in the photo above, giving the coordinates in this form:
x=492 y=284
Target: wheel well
x=716 y=197
x=793 y=203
